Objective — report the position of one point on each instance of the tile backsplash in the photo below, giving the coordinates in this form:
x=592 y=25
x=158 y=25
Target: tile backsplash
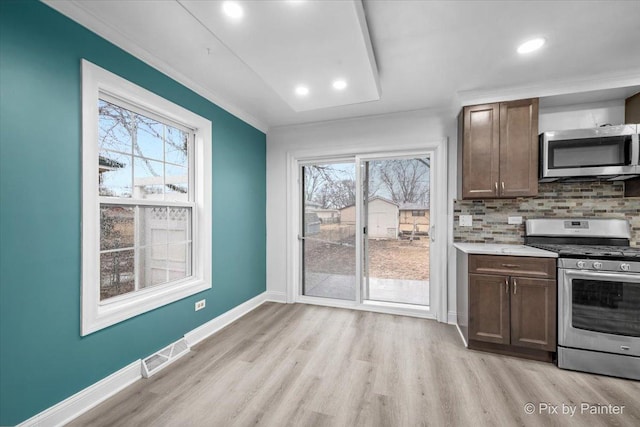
x=554 y=200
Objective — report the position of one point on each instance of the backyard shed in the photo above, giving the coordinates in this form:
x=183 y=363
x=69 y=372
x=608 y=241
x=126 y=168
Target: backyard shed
x=382 y=218
x=414 y=215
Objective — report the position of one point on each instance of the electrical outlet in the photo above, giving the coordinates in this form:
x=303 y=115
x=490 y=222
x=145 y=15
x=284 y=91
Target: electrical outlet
x=200 y=304
x=514 y=220
x=465 y=221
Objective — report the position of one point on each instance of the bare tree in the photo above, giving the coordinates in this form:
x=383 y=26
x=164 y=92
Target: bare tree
x=118 y=123
x=315 y=177
x=406 y=181
x=329 y=187
x=340 y=194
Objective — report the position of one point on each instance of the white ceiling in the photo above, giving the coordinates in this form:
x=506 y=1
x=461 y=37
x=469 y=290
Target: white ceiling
x=429 y=54
x=286 y=43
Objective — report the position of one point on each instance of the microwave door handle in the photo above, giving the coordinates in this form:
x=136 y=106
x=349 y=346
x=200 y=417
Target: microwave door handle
x=545 y=156
x=635 y=149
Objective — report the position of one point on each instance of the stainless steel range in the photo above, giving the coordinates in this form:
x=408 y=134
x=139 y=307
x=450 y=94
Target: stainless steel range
x=598 y=293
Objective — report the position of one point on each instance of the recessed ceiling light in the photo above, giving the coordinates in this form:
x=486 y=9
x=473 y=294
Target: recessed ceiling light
x=302 y=91
x=339 y=84
x=232 y=9
x=531 y=45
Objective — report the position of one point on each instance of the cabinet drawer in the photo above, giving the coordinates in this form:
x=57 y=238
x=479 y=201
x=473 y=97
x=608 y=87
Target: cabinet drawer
x=513 y=266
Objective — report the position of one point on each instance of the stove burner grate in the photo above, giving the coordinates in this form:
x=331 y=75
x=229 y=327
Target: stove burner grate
x=592 y=251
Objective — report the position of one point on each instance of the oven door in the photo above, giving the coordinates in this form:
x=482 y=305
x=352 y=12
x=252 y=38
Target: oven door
x=599 y=311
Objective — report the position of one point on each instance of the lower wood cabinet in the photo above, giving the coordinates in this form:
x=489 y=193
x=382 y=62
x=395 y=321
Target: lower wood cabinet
x=514 y=310
x=533 y=313
x=489 y=309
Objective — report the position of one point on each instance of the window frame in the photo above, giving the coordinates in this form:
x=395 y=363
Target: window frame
x=96 y=314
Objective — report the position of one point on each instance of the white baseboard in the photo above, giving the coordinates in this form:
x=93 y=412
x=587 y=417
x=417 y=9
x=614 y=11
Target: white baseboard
x=214 y=325
x=84 y=400
x=275 y=296
x=81 y=402
x=452 y=317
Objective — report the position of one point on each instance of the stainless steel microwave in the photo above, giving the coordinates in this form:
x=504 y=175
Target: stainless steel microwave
x=611 y=152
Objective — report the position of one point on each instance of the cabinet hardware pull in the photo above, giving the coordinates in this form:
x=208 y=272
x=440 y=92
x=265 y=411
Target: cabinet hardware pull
x=515 y=287
x=506 y=285
x=511 y=265
x=502 y=186
x=496 y=187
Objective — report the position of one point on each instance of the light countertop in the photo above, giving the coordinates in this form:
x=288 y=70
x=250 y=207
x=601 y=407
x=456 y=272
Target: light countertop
x=503 y=249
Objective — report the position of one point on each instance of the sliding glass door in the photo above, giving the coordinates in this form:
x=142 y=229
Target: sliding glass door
x=396 y=218
x=366 y=231
x=329 y=230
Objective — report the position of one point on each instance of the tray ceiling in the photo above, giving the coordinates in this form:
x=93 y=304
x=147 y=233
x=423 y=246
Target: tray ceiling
x=429 y=54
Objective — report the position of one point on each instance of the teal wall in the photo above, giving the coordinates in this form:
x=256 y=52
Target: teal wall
x=43 y=358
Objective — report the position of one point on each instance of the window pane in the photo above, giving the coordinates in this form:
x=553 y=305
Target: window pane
x=115 y=127
x=152 y=266
x=149 y=141
x=329 y=247
x=116 y=227
x=152 y=229
x=178 y=226
x=178 y=264
x=116 y=273
x=144 y=159
x=159 y=264
x=114 y=174
x=177 y=180
x=176 y=143
x=148 y=179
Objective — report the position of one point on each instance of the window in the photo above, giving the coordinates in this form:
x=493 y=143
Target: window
x=418 y=213
x=146 y=200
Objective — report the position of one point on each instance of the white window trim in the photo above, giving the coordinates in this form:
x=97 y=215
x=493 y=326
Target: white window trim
x=95 y=314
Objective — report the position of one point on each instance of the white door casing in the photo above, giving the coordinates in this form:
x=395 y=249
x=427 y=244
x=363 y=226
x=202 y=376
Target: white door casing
x=437 y=151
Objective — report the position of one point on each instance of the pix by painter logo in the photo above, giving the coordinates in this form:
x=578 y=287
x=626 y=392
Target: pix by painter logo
x=545 y=408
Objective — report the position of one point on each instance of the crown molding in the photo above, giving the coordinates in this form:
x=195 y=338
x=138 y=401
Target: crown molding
x=76 y=12
x=551 y=88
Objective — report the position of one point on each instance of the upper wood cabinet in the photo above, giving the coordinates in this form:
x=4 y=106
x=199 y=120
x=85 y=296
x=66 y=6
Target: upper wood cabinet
x=632 y=109
x=632 y=117
x=498 y=146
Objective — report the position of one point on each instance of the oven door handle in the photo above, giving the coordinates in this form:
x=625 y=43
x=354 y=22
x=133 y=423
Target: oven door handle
x=590 y=275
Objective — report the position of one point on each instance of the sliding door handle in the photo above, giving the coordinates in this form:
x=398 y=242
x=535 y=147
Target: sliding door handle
x=432 y=233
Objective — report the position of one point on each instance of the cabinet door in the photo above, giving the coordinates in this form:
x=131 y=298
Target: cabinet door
x=519 y=148
x=533 y=313
x=489 y=308
x=480 y=151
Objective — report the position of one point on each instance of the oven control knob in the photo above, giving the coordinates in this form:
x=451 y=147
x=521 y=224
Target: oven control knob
x=597 y=265
x=625 y=267
x=581 y=264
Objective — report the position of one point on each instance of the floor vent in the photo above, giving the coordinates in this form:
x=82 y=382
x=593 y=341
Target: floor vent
x=160 y=360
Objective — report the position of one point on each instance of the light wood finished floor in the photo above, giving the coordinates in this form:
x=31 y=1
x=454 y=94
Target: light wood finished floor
x=304 y=365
